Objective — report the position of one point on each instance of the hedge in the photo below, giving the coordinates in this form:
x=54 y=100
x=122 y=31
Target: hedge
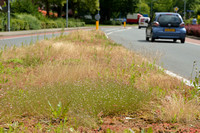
x=29 y=22
x=34 y=23
x=193 y=30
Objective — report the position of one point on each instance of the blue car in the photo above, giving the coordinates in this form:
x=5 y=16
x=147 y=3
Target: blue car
x=166 y=25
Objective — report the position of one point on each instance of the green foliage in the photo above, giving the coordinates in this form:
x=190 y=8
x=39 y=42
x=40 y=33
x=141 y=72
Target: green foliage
x=188 y=21
x=112 y=22
x=15 y=61
x=143 y=8
x=31 y=61
x=17 y=24
x=2 y=21
x=51 y=24
x=86 y=99
x=76 y=24
x=163 y=6
x=196 y=82
x=112 y=7
x=33 y=22
x=59 y=112
x=89 y=21
x=24 y=6
x=60 y=23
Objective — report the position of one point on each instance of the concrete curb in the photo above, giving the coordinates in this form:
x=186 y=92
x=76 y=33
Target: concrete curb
x=25 y=32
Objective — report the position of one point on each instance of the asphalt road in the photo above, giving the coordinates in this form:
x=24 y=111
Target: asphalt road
x=176 y=57
x=9 y=41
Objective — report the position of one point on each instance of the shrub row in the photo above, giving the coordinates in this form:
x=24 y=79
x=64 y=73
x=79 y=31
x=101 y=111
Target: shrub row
x=29 y=22
x=112 y=22
x=17 y=24
x=193 y=30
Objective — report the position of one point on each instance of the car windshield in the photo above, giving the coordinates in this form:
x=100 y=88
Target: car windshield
x=169 y=20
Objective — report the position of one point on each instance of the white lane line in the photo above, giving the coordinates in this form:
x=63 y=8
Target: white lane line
x=118 y=31
x=187 y=82
x=110 y=30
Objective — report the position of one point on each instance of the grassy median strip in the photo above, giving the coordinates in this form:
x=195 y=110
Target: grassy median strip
x=75 y=81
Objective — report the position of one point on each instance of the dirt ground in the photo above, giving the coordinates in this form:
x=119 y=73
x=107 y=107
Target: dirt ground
x=140 y=124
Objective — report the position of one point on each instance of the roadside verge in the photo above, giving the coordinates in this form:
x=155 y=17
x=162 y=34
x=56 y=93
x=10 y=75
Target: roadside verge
x=14 y=33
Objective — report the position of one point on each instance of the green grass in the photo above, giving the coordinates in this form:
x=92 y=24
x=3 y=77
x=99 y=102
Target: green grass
x=87 y=98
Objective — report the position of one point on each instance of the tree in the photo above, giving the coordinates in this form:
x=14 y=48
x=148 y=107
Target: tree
x=83 y=7
x=143 y=8
x=109 y=8
x=24 y=6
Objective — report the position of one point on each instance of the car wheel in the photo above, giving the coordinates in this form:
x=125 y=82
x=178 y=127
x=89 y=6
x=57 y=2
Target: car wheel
x=183 y=40
x=139 y=27
x=147 y=38
x=174 y=40
x=152 y=39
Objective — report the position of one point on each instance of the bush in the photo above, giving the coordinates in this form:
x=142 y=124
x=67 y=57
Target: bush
x=26 y=26
x=107 y=22
x=74 y=20
x=34 y=23
x=80 y=24
x=193 y=30
x=2 y=22
x=89 y=21
x=51 y=24
x=188 y=21
x=61 y=23
x=118 y=22
x=71 y=24
x=112 y=22
x=43 y=25
x=76 y=24
x=16 y=24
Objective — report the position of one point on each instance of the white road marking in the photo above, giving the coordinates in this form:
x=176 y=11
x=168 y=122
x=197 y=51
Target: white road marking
x=187 y=82
x=118 y=31
x=109 y=30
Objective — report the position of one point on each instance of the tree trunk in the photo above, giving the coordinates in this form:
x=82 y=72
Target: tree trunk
x=47 y=7
x=59 y=10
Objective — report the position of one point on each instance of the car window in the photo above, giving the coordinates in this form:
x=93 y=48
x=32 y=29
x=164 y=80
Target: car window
x=166 y=19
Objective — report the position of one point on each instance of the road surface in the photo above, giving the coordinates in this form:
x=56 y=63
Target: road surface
x=176 y=57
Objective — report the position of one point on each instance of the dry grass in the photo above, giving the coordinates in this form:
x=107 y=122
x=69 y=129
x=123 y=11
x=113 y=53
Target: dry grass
x=177 y=109
x=95 y=74
x=67 y=59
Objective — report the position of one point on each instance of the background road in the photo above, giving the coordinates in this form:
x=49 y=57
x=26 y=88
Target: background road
x=175 y=57
x=19 y=40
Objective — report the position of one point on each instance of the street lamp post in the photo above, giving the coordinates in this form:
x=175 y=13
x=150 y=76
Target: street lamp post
x=8 y=15
x=66 y=13
x=140 y=7
x=184 y=9
x=99 y=7
x=151 y=8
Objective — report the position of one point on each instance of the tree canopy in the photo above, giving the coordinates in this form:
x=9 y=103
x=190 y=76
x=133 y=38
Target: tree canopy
x=108 y=8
